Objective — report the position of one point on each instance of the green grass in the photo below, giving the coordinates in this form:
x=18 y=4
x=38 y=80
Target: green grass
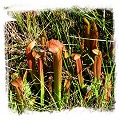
x=64 y=25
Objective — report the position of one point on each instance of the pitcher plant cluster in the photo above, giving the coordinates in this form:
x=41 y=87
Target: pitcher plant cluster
x=52 y=54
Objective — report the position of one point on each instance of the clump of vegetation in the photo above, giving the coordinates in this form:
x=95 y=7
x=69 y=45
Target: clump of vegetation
x=61 y=59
